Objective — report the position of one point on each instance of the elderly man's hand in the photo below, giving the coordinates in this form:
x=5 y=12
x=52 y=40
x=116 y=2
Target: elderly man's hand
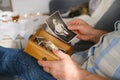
x=81 y=28
x=85 y=31
x=63 y=69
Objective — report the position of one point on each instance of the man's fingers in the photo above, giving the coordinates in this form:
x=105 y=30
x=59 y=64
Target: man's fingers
x=73 y=27
x=73 y=22
x=76 y=22
x=46 y=69
x=46 y=63
x=60 y=54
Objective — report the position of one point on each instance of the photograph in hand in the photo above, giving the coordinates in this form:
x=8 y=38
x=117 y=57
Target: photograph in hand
x=59 y=28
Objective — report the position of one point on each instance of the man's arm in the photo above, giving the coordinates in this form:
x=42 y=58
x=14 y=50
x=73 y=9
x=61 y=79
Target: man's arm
x=67 y=69
x=85 y=31
x=96 y=34
x=85 y=75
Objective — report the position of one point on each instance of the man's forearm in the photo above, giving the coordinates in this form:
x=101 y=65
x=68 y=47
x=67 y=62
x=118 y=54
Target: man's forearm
x=97 y=34
x=85 y=75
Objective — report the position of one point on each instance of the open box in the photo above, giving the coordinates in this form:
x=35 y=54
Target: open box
x=39 y=52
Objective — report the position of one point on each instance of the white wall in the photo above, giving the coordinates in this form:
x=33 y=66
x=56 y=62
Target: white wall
x=29 y=6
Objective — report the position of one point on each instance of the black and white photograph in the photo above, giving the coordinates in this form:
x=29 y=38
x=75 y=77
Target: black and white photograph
x=59 y=28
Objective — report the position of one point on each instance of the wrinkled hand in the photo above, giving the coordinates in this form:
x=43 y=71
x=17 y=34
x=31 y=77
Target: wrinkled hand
x=85 y=31
x=81 y=28
x=63 y=69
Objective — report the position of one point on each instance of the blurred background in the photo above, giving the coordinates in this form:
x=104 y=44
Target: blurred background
x=49 y=5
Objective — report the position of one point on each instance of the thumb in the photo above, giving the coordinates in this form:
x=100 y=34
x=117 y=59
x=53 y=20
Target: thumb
x=60 y=54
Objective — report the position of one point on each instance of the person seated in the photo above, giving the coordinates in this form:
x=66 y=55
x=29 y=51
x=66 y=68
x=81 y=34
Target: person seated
x=108 y=19
x=95 y=64
x=102 y=20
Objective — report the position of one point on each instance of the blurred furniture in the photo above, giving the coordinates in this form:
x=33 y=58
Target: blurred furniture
x=15 y=34
x=64 y=5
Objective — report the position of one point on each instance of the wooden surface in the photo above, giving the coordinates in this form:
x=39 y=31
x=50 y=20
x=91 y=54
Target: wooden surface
x=41 y=53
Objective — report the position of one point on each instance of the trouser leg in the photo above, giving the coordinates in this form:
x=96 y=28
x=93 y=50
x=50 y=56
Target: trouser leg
x=16 y=62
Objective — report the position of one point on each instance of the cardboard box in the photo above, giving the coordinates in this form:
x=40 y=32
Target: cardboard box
x=41 y=53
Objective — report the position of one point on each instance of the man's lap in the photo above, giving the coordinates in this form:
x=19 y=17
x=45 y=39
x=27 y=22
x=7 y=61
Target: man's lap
x=16 y=62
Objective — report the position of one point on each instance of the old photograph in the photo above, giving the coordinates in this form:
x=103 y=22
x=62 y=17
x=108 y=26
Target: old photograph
x=59 y=28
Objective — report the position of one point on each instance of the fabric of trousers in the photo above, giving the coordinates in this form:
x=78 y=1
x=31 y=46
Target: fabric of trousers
x=15 y=62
